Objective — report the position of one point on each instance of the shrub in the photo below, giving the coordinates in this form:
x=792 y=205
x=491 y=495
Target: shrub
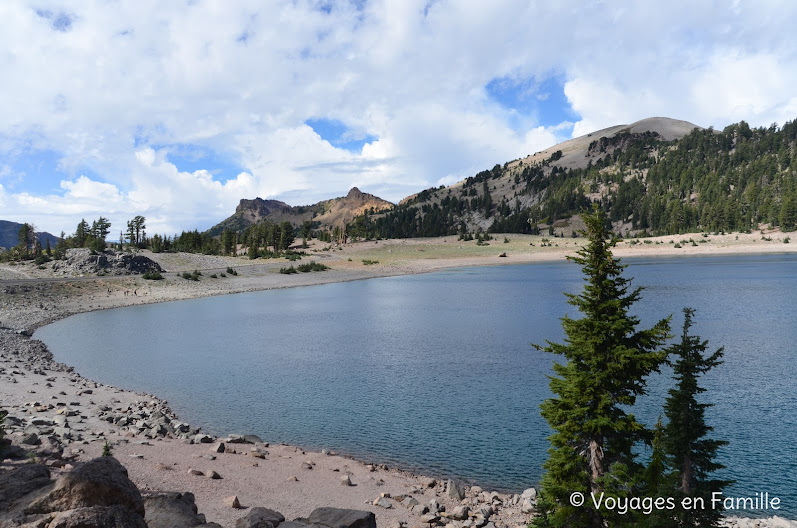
x=192 y=276
x=222 y=275
x=368 y=262
x=677 y=246
x=312 y=266
x=288 y=271
x=786 y=240
x=106 y=449
x=152 y=275
x=214 y=276
x=231 y=271
x=42 y=258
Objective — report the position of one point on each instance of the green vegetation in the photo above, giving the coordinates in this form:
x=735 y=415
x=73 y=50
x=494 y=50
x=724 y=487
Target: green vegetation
x=732 y=180
x=231 y=271
x=312 y=266
x=369 y=262
x=595 y=435
x=106 y=449
x=152 y=275
x=192 y=276
x=607 y=361
x=688 y=454
x=288 y=271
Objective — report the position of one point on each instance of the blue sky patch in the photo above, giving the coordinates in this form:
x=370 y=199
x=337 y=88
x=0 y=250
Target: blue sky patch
x=191 y=158
x=38 y=172
x=544 y=101
x=339 y=135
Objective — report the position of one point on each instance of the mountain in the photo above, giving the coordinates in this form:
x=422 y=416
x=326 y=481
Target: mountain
x=324 y=215
x=9 y=235
x=658 y=176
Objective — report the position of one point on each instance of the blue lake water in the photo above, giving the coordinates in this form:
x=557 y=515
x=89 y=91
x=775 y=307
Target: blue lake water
x=435 y=373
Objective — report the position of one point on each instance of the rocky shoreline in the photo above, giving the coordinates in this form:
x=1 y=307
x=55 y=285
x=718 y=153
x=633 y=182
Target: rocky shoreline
x=62 y=421
x=58 y=422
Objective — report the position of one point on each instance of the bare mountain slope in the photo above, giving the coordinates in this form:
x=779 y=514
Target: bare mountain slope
x=326 y=214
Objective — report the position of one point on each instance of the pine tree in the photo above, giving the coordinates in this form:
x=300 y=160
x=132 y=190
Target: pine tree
x=608 y=360
x=690 y=453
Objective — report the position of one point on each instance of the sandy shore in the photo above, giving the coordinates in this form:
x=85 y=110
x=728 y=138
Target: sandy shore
x=31 y=385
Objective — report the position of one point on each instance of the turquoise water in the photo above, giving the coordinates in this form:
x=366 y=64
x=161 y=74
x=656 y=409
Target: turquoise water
x=435 y=373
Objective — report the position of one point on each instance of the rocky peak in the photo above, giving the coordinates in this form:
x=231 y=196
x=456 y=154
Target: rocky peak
x=355 y=194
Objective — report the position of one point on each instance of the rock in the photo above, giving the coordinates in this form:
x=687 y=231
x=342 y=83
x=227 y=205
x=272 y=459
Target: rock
x=102 y=481
x=20 y=481
x=202 y=439
x=420 y=509
x=527 y=506
x=459 y=513
x=382 y=502
x=428 y=482
x=409 y=502
x=346 y=480
x=342 y=518
x=429 y=518
x=98 y=517
x=218 y=448
x=455 y=490
x=530 y=494
x=232 y=502
x=307 y=465
x=31 y=439
x=172 y=510
x=212 y=474
x=196 y=472
x=435 y=507
x=260 y=517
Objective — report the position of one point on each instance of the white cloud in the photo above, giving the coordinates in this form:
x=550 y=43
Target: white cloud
x=109 y=86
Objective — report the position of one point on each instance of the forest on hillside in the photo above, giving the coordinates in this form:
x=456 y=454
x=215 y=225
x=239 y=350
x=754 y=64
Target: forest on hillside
x=731 y=180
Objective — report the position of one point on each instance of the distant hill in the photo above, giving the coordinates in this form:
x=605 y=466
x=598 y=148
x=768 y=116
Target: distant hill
x=658 y=176
x=9 y=235
x=324 y=215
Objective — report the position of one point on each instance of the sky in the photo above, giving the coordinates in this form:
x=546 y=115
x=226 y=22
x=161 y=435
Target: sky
x=177 y=110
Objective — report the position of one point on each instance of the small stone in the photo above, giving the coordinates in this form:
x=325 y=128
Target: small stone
x=530 y=494
x=346 y=481
x=218 y=448
x=232 y=502
x=382 y=502
x=460 y=513
x=196 y=472
x=428 y=482
x=212 y=474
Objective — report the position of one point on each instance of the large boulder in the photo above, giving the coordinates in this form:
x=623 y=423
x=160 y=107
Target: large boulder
x=259 y=517
x=172 y=510
x=455 y=490
x=20 y=481
x=99 y=482
x=342 y=518
x=98 y=517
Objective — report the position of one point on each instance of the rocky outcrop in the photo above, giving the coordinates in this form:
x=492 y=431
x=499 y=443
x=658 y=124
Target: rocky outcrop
x=171 y=510
x=82 y=260
x=101 y=482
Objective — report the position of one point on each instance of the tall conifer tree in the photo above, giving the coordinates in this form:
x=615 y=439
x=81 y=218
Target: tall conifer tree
x=607 y=362
x=689 y=451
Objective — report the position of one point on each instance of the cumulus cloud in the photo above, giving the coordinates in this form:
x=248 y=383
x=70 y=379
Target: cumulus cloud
x=112 y=87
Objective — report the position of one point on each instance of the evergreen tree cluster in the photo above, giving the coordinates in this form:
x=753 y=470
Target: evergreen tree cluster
x=595 y=439
x=732 y=180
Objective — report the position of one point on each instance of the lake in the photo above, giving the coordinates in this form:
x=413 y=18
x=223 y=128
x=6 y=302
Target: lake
x=435 y=372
